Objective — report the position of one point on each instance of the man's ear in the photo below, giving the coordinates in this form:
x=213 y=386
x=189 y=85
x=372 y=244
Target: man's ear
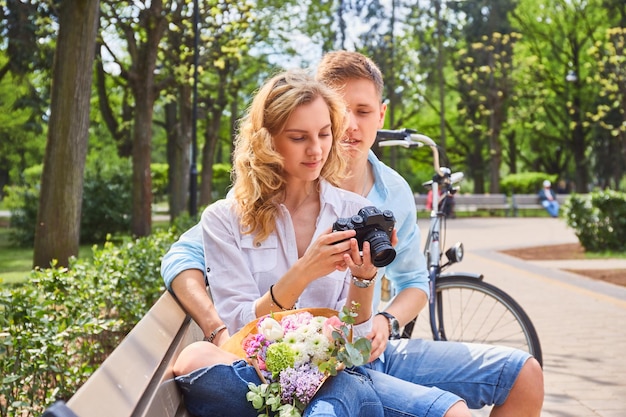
x=383 y=110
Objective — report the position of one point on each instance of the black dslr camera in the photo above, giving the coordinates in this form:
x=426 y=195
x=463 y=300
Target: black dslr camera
x=375 y=227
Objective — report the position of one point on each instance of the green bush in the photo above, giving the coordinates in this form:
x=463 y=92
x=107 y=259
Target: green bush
x=221 y=180
x=524 y=183
x=106 y=206
x=58 y=327
x=107 y=202
x=23 y=203
x=160 y=180
x=598 y=219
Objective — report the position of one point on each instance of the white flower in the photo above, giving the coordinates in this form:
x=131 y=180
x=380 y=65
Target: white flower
x=271 y=329
x=318 y=347
x=302 y=355
x=292 y=338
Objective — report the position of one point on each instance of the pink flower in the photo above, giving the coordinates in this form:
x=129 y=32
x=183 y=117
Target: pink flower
x=294 y=321
x=331 y=324
x=254 y=344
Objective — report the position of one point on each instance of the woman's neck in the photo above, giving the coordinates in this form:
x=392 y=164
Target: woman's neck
x=297 y=196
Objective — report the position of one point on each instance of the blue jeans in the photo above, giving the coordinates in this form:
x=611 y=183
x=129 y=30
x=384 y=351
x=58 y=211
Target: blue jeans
x=220 y=391
x=425 y=378
x=552 y=207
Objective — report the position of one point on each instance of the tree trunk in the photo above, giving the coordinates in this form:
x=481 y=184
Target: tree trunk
x=208 y=156
x=178 y=123
x=141 y=219
x=216 y=110
x=57 y=231
x=495 y=146
x=142 y=83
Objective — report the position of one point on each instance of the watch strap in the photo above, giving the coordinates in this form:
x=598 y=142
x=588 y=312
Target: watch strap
x=394 y=333
x=363 y=283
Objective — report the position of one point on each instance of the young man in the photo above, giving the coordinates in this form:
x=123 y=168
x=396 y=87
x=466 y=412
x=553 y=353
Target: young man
x=480 y=375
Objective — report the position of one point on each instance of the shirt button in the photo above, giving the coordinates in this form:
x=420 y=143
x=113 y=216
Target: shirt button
x=258 y=244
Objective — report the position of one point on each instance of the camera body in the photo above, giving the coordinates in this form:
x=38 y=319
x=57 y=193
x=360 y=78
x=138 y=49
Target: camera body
x=375 y=227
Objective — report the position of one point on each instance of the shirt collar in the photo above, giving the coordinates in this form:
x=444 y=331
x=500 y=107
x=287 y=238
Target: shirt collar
x=379 y=184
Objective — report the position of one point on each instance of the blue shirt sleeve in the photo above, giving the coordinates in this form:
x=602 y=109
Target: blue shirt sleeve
x=186 y=253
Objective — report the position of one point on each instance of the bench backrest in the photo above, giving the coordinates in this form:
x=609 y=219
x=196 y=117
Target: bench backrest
x=482 y=200
x=136 y=379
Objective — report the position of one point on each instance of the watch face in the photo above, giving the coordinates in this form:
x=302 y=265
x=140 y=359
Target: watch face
x=395 y=326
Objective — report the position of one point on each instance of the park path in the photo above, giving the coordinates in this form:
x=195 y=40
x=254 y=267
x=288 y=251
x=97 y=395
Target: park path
x=581 y=322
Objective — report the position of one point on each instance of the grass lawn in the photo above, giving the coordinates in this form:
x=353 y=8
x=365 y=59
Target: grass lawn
x=16 y=262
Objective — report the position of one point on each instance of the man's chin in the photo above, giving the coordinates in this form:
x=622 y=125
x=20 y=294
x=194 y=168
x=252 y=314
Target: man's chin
x=351 y=146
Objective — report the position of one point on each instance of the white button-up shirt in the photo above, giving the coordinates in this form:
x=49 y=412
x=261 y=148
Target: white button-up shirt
x=240 y=272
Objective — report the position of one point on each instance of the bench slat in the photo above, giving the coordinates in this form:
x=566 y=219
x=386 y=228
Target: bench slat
x=471 y=202
x=531 y=201
x=136 y=379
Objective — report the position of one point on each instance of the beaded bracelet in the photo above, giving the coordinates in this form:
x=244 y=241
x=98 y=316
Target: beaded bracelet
x=276 y=302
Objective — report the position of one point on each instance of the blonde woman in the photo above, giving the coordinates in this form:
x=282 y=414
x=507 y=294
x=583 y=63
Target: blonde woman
x=270 y=247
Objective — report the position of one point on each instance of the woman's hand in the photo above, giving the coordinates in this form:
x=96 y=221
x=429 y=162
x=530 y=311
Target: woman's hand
x=361 y=266
x=327 y=253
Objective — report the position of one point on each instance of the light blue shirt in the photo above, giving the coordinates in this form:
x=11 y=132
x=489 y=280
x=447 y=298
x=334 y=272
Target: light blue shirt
x=390 y=192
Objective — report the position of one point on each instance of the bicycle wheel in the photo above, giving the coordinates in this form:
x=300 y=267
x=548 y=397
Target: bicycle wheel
x=470 y=310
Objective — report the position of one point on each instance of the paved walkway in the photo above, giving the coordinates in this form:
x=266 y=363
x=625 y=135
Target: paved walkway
x=581 y=322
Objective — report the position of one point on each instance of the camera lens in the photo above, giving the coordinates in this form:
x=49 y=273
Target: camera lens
x=380 y=248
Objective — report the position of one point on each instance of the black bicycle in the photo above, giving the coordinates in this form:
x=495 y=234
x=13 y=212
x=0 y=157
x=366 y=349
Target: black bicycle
x=462 y=306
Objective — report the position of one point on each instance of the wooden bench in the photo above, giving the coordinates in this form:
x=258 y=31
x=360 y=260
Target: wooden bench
x=531 y=202
x=136 y=379
x=472 y=202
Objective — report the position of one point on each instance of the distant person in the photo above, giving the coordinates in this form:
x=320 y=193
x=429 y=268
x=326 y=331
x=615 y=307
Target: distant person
x=562 y=187
x=547 y=197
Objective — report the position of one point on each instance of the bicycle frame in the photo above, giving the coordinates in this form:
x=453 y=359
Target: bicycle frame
x=462 y=306
x=433 y=248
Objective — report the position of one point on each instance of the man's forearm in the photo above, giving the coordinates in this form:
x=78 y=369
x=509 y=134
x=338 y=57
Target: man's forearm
x=407 y=305
x=190 y=290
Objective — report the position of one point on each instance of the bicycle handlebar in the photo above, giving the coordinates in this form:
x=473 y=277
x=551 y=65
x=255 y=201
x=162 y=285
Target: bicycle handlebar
x=409 y=138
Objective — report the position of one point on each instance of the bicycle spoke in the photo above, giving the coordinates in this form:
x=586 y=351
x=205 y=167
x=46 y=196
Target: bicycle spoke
x=476 y=312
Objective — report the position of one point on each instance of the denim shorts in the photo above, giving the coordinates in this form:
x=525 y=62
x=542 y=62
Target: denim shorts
x=220 y=391
x=431 y=376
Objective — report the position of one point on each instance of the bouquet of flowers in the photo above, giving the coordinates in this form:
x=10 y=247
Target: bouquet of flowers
x=295 y=352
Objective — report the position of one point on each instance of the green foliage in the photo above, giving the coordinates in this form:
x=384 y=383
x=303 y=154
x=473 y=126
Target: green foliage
x=106 y=203
x=221 y=179
x=525 y=183
x=159 y=180
x=23 y=203
x=56 y=329
x=599 y=220
x=107 y=198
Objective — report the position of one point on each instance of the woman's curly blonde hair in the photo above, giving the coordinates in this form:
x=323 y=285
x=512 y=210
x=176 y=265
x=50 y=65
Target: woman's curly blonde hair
x=259 y=183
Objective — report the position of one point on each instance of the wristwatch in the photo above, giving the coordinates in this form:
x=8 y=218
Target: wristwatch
x=362 y=282
x=394 y=326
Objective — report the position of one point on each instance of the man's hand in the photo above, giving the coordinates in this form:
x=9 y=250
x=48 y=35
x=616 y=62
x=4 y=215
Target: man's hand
x=379 y=336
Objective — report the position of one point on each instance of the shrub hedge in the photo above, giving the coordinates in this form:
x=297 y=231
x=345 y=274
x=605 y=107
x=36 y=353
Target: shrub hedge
x=598 y=219
x=525 y=182
x=58 y=327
